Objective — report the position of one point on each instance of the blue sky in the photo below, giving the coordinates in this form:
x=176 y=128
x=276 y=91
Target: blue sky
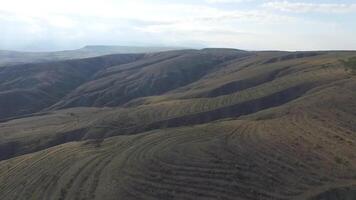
x=244 y=24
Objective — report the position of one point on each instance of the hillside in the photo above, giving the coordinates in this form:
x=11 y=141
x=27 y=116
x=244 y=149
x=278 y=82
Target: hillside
x=29 y=88
x=187 y=124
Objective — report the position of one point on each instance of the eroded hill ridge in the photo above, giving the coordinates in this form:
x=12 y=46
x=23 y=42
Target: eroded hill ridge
x=187 y=124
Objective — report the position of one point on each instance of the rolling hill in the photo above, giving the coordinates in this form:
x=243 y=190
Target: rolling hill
x=184 y=124
x=28 y=88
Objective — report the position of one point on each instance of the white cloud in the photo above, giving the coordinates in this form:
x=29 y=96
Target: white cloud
x=302 y=7
x=73 y=23
x=227 y=1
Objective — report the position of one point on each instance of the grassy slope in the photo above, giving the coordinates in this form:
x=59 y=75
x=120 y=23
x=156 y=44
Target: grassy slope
x=101 y=81
x=29 y=88
x=287 y=132
x=153 y=75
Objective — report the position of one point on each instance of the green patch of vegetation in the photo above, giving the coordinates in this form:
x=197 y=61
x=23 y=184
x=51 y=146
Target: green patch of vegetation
x=350 y=65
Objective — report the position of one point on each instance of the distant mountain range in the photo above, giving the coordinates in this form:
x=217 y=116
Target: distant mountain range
x=19 y=57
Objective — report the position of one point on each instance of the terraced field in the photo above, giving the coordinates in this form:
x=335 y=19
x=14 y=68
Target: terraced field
x=243 y=125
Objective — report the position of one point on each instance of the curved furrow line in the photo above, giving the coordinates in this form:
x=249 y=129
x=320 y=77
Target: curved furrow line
x=44 y=154
x=296 y=149
x=50 y=188
x=88 y=181
x=186 y=173
x=21 y=174
x=150 y=151
x=307 y=130
x=330 y=135
x=236 y=178
x=96 y=177
x=31 y=179
x=266 y=158
x=67 y=183
x=196 y=188
x=336 y=146
x=277 y=157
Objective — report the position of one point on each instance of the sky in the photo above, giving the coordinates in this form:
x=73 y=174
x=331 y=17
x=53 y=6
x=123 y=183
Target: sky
x=48 y=25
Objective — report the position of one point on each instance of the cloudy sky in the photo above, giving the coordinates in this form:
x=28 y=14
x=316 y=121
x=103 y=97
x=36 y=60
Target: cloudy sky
x=245 y=24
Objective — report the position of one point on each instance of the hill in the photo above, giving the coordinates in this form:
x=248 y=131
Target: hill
x=28 y=88
x=188 y=124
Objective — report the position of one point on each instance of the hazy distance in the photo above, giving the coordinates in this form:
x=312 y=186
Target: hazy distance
x=47 y=25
